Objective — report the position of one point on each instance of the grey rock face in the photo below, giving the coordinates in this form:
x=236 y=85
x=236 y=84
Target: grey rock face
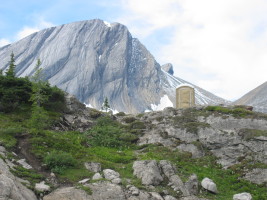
x=258 y=176
x=192 y=184
x=97 y=176
x=68 y=193
x=242 y=196
x=196 y=153
x=93 y=60
x=11 y=187
x=148 y=171
x=209 y=185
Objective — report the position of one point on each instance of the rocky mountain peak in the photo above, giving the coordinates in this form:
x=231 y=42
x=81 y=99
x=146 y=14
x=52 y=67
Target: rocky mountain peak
x=95 y=59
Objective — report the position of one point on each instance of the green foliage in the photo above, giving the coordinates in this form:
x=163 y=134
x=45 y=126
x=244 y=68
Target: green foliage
x=27 y=174
x=108 y=133
x=86 y=189
x=13 y=92
x=235 y=111
x=58 y=161
x=95 y=113
x=10 y=73
x=129 y=119
x=7 y=136
x=105 y=105
x=120 y=114
x=39 y=119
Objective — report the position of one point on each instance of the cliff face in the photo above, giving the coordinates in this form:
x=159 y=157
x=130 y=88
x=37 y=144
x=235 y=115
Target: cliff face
x=93 y=60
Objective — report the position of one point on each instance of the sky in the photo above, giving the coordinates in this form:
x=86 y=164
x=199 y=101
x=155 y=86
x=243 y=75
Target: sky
x=219 y=45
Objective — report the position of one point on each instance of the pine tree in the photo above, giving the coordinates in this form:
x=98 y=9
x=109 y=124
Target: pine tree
x=11 y=70
x=105 y=105
x=39 y=118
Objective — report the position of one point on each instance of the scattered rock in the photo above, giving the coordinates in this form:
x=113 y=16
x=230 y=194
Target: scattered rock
x=97 y=176
x=24 y=164
x=133 y=190
x=242 y=196
x=42 y=187
x=111 y=175
x=167 y=168
x=84 y=181
x=105 y=190
x=192 y=184
x=209 y=185
x=258 y=176
x=68 y=193
x=148 y=171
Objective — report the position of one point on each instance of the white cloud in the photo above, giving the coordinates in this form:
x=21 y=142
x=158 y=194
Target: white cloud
x=219 y=45
x=4 y=42
x=26 y=30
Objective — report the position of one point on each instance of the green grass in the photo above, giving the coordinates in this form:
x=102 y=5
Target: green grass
x=248 y=134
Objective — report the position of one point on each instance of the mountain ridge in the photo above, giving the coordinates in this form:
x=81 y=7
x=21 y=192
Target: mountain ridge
x=93 y=59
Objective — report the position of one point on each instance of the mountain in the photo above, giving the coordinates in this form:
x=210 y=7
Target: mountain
x=95 y=59
x=256 y=98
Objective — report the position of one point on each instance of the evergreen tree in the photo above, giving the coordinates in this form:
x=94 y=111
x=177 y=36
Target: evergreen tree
x=11 y=70
x=39 y=118
x=105 y=105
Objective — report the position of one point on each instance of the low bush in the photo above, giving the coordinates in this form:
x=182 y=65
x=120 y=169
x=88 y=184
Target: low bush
x=58 y=161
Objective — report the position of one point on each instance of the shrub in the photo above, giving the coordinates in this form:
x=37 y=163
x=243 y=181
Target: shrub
x=120 y=114
x=129 y=119
x=58 y=161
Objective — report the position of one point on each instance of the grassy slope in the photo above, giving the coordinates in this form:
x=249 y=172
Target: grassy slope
x=80 y=147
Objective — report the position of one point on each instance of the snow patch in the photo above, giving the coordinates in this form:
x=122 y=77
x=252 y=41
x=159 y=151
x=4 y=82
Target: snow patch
x=164 y=102
x=99 y=58
x=107 y=24
x=185 y=84
x=88 y=105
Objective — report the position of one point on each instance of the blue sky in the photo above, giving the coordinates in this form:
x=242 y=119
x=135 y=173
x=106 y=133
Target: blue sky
x=220 y=45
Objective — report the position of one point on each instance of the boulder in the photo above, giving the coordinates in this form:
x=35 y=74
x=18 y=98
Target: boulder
x=155 y=196
x=134 y=191
x=242 y=196
x=192 y=184
x=92 y=166
x=148 y=171
x=107 y=191
x=84 y=181
x=209 y=185
x=112 y=175
x=97 y=176
x=68 y=193
x=42 y=187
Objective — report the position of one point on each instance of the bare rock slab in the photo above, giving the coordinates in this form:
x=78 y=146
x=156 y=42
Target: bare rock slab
x=92 y=166
x=242 y=196
x=148 y=171
x=68 y=193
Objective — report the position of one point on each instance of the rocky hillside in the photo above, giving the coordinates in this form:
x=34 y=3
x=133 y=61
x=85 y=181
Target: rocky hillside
x=93 y=60
x=203 y=153
x=256 y=98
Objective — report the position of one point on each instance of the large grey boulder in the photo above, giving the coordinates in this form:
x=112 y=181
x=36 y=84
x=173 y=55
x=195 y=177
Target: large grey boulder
x=209 y=185
x=196 y=153
x=68 y=193
x=42 y=187
x=11 y=187
x=112 y=175
x=242 y=196
x=107 y=191
x=148 y=171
